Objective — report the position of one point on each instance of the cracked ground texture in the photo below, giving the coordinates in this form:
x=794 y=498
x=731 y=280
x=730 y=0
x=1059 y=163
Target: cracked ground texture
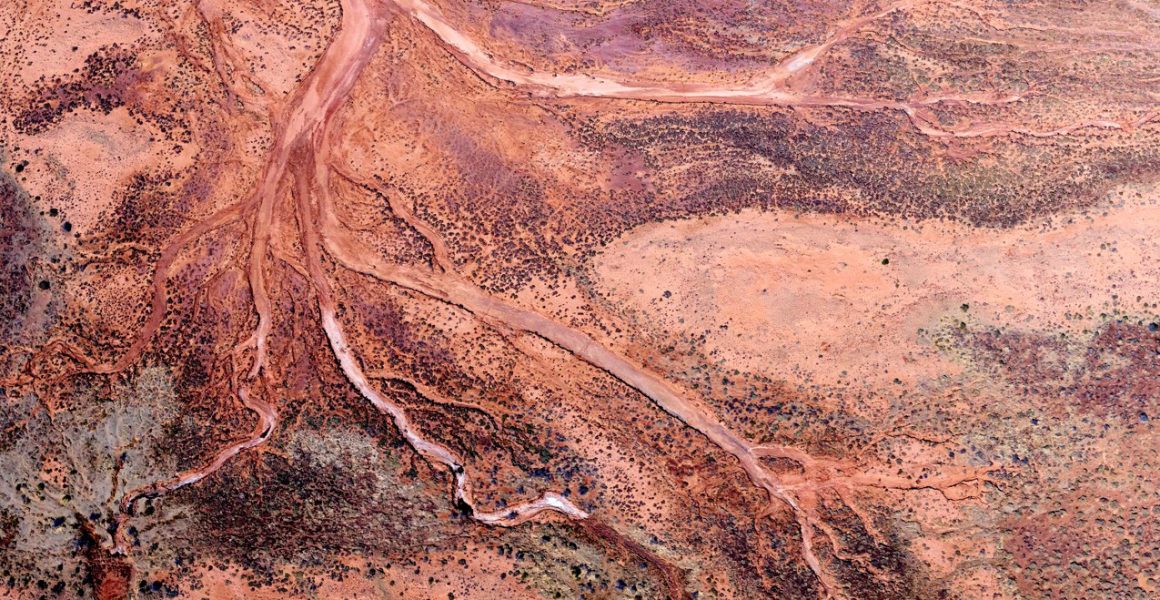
x=579 y=299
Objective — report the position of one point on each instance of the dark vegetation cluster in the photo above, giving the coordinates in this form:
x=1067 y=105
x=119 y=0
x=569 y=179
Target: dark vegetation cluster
x=498 y=223
x=149 y=209
x=309 y=512
x=871 y=165
x=1108 y=551
x=724 y=35
x=107 y=81
x=1113 y=374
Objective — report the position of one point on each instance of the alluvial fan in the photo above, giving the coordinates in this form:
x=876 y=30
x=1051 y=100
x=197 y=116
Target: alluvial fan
x=579 y=299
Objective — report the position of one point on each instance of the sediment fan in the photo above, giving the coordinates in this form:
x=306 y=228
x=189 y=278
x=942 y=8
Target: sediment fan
x=288 y=226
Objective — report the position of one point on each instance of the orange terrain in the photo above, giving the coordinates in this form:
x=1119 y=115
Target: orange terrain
x=579 y=299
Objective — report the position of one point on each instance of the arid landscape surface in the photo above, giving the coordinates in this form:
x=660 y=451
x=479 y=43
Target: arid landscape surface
x=470 y=299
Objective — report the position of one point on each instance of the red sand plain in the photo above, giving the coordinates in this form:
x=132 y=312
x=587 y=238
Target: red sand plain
x=571 y=298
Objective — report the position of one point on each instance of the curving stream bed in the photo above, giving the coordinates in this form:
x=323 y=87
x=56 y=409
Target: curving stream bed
x=300 y=163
